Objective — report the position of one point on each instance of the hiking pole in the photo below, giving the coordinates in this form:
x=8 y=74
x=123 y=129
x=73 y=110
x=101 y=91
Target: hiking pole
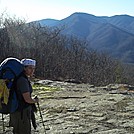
x=41 y=115
x=3 y=123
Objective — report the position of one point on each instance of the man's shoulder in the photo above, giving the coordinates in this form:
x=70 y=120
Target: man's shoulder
x=22 y=79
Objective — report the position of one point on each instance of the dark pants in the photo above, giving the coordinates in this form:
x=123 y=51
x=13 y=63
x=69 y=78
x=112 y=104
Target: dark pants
x=21 y=121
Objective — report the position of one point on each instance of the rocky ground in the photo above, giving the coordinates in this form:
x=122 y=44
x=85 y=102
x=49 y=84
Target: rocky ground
x=83 y=109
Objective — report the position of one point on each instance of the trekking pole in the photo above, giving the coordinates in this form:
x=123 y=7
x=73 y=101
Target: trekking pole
x=3 y=123
x=41 y=115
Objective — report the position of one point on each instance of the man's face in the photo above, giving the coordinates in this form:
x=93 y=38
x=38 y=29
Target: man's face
x=29 y=70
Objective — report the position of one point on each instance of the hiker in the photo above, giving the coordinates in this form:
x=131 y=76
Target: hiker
x=21 y=119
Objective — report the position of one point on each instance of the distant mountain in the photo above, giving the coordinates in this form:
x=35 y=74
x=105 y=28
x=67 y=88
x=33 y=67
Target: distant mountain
x=48 y=22
x=125 y=22
x=114 y=35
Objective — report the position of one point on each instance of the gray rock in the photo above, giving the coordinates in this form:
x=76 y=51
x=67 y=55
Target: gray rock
x=83 y=109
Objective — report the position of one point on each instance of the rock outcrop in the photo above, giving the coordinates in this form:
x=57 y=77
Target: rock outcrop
x=84 y=109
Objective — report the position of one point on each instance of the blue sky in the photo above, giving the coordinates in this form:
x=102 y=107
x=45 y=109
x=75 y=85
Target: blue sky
x=59 y=9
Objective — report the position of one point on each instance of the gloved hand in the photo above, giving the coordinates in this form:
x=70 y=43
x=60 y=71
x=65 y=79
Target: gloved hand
x=36 y=98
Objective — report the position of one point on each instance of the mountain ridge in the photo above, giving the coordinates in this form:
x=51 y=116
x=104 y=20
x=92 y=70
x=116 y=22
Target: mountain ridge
x=114 y=34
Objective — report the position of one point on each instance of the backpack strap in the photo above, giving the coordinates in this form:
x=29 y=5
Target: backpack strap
x=22 y=103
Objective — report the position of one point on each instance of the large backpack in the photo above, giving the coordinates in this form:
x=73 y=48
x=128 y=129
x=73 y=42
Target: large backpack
x=10 y=69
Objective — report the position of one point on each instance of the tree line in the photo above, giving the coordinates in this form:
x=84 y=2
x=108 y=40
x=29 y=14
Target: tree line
x=60 y=57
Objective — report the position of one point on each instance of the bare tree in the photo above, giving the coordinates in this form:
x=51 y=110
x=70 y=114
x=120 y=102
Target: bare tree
x=59 y=56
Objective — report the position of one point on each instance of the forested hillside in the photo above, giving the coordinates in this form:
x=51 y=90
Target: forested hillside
x=60 y=57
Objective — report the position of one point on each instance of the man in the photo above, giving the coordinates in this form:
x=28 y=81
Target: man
x=21 y=119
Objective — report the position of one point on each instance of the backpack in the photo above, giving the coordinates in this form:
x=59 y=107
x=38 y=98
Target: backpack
x=10 y=70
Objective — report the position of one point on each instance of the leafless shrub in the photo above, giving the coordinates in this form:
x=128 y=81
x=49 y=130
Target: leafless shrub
x=58 y=56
